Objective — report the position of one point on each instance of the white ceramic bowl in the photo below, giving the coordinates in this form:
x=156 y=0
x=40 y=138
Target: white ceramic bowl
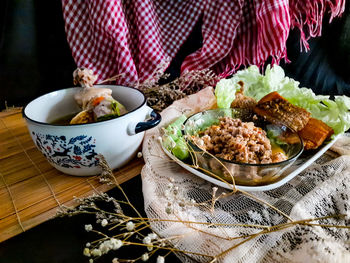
x=73 y=149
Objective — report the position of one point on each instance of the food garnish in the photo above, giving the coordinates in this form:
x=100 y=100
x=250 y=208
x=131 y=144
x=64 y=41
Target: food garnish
x=242 y=101
x=274 y=108
x=173 y=139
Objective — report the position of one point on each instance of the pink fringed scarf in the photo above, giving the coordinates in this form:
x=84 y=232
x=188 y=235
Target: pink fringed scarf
x=308 y=15
x=133 y=37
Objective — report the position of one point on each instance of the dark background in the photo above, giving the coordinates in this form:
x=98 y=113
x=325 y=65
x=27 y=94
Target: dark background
x=35 y=59
x=34 y=54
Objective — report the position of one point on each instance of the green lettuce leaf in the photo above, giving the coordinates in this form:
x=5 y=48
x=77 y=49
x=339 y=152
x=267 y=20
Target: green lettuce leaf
x=225 y=92
x=116 y=106
x=173 y=139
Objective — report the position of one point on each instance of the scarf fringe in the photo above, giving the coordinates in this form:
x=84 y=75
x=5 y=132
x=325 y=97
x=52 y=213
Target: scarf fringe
x=307 y=16
x=230 y=68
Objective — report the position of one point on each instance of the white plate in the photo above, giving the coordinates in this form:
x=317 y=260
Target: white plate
x=300 y=164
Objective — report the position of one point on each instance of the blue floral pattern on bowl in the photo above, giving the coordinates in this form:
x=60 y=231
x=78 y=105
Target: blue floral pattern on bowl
x=75 y=152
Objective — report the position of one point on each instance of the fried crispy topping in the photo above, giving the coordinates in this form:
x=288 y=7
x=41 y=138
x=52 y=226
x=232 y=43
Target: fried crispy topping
x=275 y=108
x=241 y=101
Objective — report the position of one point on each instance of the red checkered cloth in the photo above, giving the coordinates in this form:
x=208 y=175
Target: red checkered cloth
x=134 y=37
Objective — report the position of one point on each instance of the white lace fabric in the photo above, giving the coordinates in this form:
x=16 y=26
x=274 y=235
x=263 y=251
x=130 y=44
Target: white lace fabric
x=321 y=190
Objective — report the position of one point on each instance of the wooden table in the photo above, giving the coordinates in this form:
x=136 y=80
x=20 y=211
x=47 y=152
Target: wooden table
x=31 y=190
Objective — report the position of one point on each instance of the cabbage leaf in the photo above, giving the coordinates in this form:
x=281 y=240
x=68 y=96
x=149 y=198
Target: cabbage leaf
x=225 y=92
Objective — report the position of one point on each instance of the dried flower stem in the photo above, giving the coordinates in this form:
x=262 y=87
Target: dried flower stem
x=278 y=228
x=199 y=223
x=161 y=96
x=114 y=78
x=106 y=169
x=196 y=166
x=100 y=233
x=170 y=249
x=234 y=189
x=265 y=203
x=233 y=184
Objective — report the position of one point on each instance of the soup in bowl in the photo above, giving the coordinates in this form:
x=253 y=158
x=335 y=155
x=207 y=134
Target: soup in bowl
x=74 y=149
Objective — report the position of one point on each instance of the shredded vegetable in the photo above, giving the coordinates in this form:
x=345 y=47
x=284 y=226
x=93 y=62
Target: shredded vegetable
x=97 y=100
x=173 y=140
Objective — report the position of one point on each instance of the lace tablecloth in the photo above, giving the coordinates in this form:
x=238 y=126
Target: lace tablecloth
x=173 y=194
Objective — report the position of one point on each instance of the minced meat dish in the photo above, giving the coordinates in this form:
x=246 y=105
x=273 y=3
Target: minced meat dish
x=238 y=141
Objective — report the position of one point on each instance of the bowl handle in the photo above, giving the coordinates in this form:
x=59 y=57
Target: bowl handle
x=154 y=120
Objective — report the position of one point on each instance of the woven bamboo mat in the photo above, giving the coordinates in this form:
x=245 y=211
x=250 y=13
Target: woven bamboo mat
x=31 y=190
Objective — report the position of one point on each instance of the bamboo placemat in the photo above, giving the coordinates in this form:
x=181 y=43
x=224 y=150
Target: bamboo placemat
x=31 y=190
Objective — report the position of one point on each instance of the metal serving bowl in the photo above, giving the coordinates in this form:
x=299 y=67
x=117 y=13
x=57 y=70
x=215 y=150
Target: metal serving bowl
x=243 y=173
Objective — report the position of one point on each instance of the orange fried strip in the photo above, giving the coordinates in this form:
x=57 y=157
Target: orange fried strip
x=275 y=108
x=315 y=133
